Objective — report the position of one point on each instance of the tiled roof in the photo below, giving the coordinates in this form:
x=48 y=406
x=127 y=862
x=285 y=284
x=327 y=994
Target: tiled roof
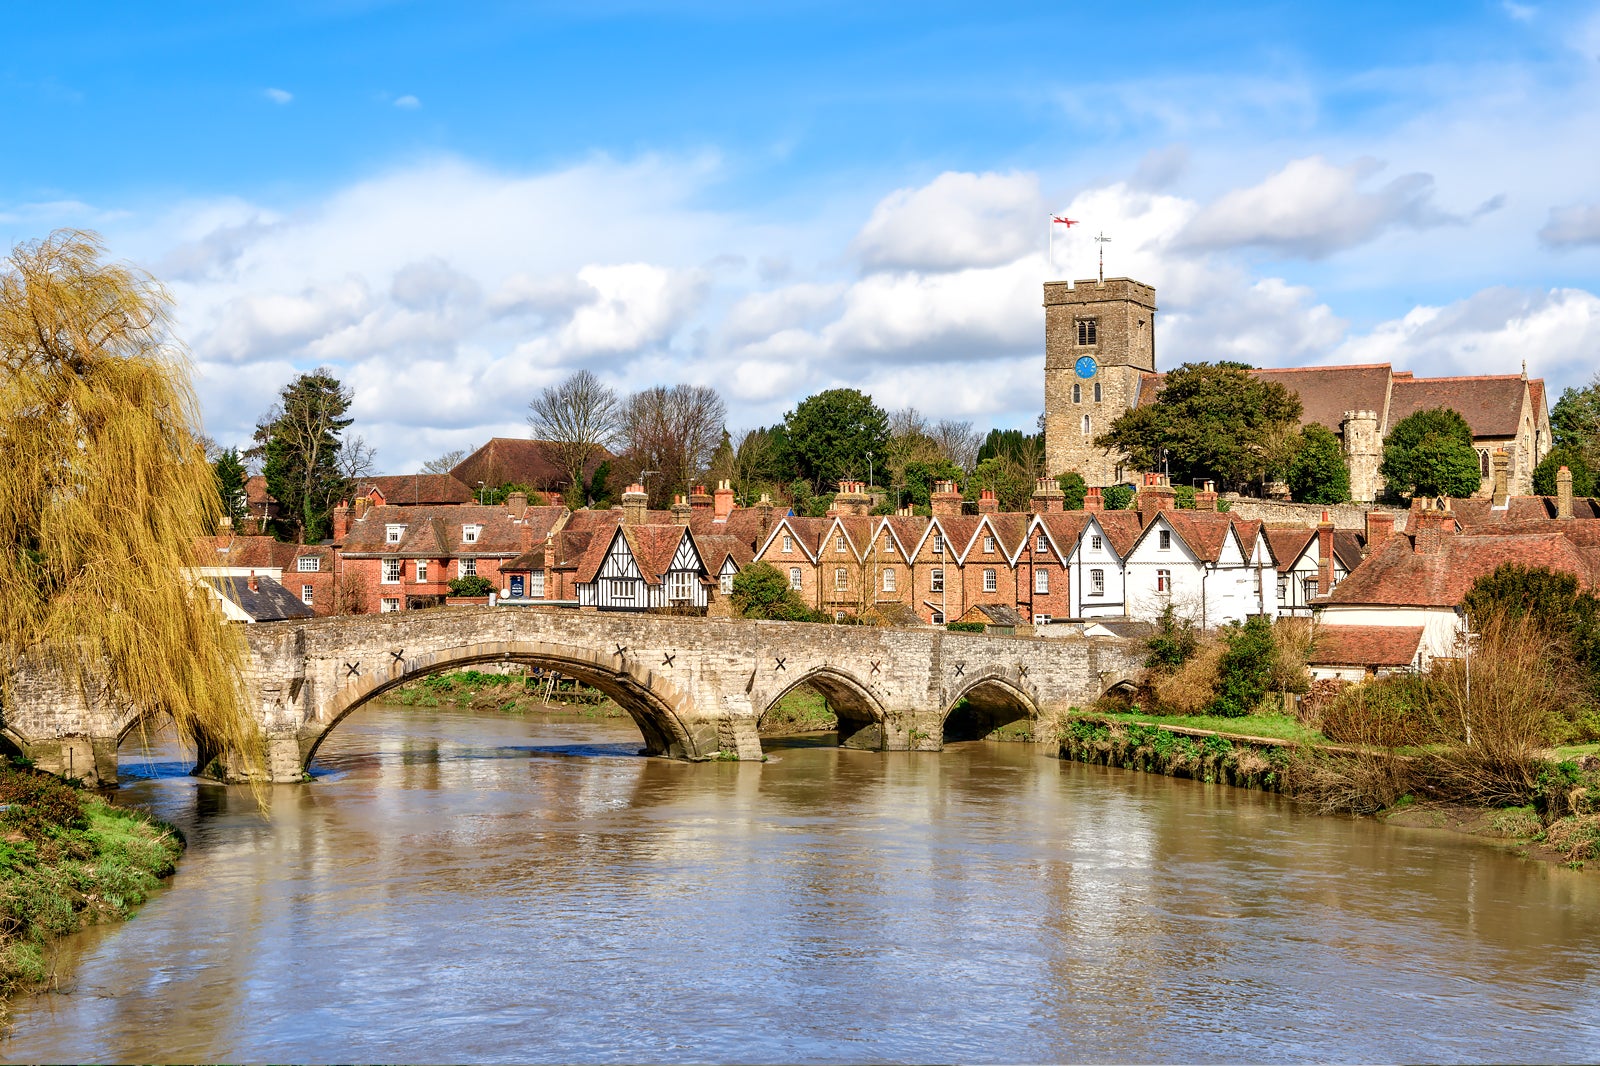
x=516 y=461
x=436 y=531
x=1348 y=547
x=1326 y=392
x=1395 y=575
x=1205 y=532
x=414 y=489
x=1122 y=529
x=653 y=547
x=259 y=552
x=1519 y=511
x=716 y=547
x=1492 y=405
x=267 y=602
x=1341 y=645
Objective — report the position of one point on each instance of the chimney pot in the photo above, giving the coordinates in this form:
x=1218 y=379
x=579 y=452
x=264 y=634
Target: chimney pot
x=252 y=583
x=723 y=503
x=1564 y=493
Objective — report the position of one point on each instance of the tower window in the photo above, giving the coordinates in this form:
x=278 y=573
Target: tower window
x=1085 y=425
x=1077 y=393
x=1097 y=392
x=1086 y=331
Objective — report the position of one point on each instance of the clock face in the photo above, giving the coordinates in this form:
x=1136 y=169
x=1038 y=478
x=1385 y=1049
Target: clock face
x=1086 y=366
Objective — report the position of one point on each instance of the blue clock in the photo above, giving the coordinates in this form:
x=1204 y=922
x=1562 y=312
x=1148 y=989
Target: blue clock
x=1085 y=366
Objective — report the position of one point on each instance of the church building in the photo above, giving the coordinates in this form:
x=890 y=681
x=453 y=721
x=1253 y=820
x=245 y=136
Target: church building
x=1100 y=361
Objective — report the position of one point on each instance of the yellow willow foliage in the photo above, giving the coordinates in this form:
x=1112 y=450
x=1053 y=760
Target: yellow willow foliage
x=103 y=490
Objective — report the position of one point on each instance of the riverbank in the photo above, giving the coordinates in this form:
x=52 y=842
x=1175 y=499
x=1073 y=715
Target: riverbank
x=1274 y=753
x=68 y=859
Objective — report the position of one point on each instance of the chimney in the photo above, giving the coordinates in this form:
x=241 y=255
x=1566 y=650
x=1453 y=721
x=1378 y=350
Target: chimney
x=1500 y=463
x=681 y=510
x=1432 y=526
x=224 y=526
x=1380 y=527
x=362 y=504
x=634 y=504
x=700 y=499
x=722 y=503
x=1206 y=498
x=852 y=499
x=946 y=500
x=1093 y=501
x=764 y=510
x=1154 y=496
x=341 y=521
x=1325 y=555
x=988 y=502
x=1047 y=497
x=252 y=583
x=517 y=504
x=1564 y=493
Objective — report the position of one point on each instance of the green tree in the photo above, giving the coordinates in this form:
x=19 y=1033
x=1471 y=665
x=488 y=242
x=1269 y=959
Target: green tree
x=1317 y=472
x=231 y=478
x=1011 y=481
x=1117 y=497
x=104 y=488
x=1074 y=488
x=1575 y=422
x=920 y=478
x=761 y=591
x=1430 y=453
x=1565 y=612
x=1544 y=475
x=829 y=435
x=1245 y=670
x=1210 y=421
x=298 y=442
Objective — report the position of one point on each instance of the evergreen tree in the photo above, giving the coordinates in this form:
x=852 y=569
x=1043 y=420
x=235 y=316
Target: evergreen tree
x=231 y=478
x=1074 y=488
x=1317 y=473
x=299 y=442
x=1544 y=475
x=1430 y=453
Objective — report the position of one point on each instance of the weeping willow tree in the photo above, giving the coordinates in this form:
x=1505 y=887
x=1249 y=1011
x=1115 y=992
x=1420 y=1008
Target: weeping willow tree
x=103 y=489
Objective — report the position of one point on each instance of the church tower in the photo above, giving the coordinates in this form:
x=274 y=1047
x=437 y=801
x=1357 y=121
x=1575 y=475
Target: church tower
x=1099 y=338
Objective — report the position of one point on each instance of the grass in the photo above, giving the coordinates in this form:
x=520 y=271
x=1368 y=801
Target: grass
x=68 y=860
x=800 y=710
x=1576 y=751
x=1270 y=726
x=507 y=693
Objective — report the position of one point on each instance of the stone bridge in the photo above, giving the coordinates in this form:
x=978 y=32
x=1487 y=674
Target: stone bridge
x=696 y=687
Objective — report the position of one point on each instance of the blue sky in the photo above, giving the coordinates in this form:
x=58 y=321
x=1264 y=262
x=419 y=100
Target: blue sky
x=452 y=210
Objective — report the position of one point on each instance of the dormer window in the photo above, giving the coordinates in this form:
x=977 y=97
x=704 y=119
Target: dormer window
x=469 y=534
x=393 y=532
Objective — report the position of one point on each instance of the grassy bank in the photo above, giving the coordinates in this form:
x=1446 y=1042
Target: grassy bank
x=507 y=693
x=68 y=859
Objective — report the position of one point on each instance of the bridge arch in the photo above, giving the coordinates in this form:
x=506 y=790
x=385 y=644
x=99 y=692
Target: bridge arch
x=860 y=713
x=660 y=710
x=992 y=700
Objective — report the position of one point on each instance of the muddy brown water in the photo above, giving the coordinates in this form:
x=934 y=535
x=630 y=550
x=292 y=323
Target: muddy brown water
x=470 y=887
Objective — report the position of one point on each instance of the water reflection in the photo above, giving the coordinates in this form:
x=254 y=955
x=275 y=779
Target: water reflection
x=489 y=888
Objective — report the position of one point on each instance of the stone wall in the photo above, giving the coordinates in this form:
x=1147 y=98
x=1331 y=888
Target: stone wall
x=1281 y=512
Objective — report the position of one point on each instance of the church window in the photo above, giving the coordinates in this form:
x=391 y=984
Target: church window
x=1097 y=392
x=1483 y=464
x=1086 y=331
x=1085 y=425
x=1077 y=393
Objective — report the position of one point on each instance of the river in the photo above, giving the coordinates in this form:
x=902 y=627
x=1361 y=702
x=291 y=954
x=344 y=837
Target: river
x=478 y=888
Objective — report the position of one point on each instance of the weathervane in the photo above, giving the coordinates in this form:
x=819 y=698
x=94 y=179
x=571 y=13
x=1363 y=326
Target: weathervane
x=1104 y=240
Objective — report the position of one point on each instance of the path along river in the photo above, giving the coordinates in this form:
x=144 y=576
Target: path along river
x=468 y=887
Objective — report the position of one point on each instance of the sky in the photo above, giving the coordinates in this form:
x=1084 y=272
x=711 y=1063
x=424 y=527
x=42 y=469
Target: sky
x=453 y=206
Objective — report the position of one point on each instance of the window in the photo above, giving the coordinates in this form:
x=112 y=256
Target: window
x=888 y=545
x=838 y=616
x=422 y=570
x=1283 y=589
x=938 y=544
x=725 y=584
x=620 y=589
x=794 y=578
x=841 y=578
x=1086 y=331
x=1097 y=582
x=1097 y=392
x=536 y=585
x=1086 y=425
x=988 y=545
x=990 y=584
x=1483 y=464
x=1077 y=393
x=1165 y=540
x=788 y=543
x=838 y=542
x=1041 y=582
x=1097 y=542
x=679 y=586
x=393 y=532
x=1163 y=580
x=1042 y=543
x=308 y=564
x=938 y=618
x=466 y=568
x=1310 y=586
x=936 y=580
x=305 y=595
x=469 y=534
x=388 y=605
x=391 y=571
x=1041 y=619
x=888 y=579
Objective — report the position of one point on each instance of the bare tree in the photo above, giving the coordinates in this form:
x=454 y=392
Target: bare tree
x=576 y=420
x=356 y=459
x=448 y=461
x=959 y=442
x=673 y=431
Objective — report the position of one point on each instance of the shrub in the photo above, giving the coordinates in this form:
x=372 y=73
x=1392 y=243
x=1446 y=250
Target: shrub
x=1190 y=688
x=761 y=591
x=965 y=627
x=1173 y=642
x=1074 y=488
x=471 y=586
x=1245 y=669
x=1390 y=712
x=1117 y=497
x=37 y=803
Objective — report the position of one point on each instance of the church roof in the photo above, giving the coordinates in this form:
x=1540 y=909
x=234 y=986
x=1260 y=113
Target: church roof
x=1491 y=404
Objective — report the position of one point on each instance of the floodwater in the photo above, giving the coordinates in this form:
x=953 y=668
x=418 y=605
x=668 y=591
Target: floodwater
x=460 y=887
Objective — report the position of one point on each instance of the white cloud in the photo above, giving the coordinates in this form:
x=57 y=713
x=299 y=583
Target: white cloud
x=408 y=102
x=1520 y=12
x=1572 y=226
x=1314 y=208
x=278 y=96
x=956 y=221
